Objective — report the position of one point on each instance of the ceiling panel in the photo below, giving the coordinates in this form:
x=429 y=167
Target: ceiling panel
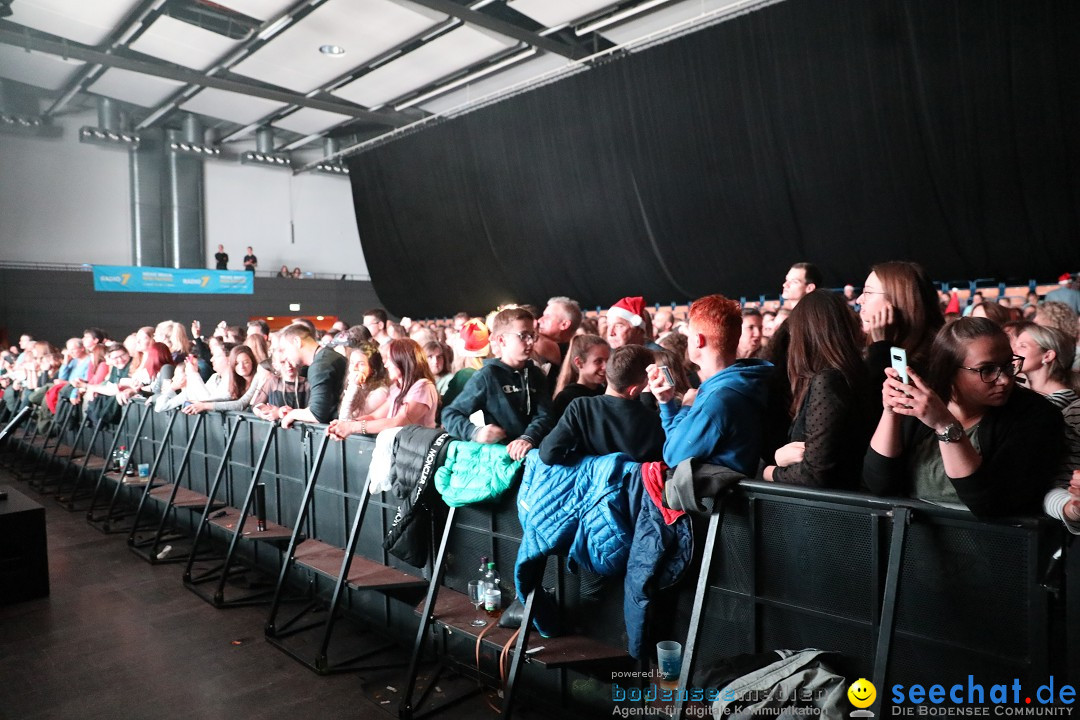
x=365 y=29
x=182 y=43
x=35 y=68
x=79 y=20
x=133 y=87
x=260 y=9
x=520 y=73
x=552 y=13
x=456 y=50
x=242 y=109
x=665 y=17
x=309 y=121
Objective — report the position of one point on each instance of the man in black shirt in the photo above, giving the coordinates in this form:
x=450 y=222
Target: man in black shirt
x=222 y=258
x=616 y=421
x=250 y=261
x=326 y=375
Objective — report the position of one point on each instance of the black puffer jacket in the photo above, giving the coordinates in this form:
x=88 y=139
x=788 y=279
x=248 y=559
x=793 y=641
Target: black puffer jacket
x=418 y=453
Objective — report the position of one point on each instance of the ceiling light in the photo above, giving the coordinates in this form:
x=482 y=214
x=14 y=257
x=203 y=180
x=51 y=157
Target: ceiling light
x=618 y=17
x=97 y=136
x=332 y=50
x=258 y=158
x=466 y=79
x=274 y=28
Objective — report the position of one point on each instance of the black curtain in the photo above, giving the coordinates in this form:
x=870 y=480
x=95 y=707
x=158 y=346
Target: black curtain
x=842 y=132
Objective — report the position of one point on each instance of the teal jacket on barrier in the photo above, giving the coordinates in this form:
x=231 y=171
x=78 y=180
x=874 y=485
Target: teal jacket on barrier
x=474 y=472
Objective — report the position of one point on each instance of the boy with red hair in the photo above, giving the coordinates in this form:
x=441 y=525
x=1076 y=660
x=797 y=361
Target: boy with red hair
x=724 y=424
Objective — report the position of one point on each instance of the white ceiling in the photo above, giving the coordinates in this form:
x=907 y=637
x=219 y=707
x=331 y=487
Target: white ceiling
x=309 y=121
x=444 y=51
x=664 y=17
x=135 y=88
x=519 y=73
x=84 y=21
x=552 y=13
x=226 y=105
x=182 y=43
x=35 y=68
x=443 y=56
x=364 y=28
x=259 y=9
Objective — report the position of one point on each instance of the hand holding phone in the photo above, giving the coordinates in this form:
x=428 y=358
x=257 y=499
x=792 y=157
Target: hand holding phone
x=899 y=363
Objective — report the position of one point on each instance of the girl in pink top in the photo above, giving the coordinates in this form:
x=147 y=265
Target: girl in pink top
x=413 y=399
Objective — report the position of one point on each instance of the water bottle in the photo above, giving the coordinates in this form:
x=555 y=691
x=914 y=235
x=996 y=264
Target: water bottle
x=118 y=458
x=492 y=591
x=115 y=464
x=482 y=572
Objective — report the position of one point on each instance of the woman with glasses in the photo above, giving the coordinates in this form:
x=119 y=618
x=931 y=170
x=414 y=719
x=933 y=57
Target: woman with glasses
x=898 y=306
x=965 y=436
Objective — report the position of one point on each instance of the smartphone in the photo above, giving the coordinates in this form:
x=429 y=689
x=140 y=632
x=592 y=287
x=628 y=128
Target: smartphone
x=899 y=363
x=668 y=377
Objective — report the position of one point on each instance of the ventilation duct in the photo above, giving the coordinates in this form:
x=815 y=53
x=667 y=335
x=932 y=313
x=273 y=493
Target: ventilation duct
x=329 y=166
x=191 y=139
x=109 y=131
x=264 y=151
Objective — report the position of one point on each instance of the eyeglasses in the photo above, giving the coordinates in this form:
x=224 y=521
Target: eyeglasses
x=990 y=374
x=525 y=336
x=873 y=292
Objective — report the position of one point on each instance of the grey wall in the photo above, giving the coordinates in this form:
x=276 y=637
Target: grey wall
x=65 y=201
x=55 y=305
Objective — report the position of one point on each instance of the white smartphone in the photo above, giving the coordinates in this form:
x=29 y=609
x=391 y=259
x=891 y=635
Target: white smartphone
x=668 y=377
x=899 y=363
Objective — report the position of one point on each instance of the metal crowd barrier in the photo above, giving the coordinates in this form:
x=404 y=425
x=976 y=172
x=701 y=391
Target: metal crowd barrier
x=903 y=591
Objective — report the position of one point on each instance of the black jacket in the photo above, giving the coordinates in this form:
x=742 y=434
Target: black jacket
x=1021 y=445
x=418 y=453
x=326 y=377
x=601 y=426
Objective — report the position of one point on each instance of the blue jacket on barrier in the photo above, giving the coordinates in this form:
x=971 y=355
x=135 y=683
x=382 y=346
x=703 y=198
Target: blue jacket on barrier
x=597 y=513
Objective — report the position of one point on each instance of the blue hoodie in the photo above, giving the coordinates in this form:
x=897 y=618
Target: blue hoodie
x=724 y=425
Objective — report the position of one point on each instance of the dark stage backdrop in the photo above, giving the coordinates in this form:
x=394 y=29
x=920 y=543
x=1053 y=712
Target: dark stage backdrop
x=842 y=132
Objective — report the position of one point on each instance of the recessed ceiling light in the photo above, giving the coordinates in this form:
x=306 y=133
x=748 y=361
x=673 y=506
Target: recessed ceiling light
x=332 y=50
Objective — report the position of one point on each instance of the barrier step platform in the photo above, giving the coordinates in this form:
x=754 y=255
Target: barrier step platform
x=363 y=573
x=453 y=610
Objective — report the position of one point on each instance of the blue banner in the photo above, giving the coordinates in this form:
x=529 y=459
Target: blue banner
x=125 y=278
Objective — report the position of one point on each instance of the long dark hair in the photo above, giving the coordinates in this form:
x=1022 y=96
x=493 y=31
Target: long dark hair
x=238 y=384
x=823 y=333
x=411 y=361
x=916 y=310
x=580 y=346
x=950 y=348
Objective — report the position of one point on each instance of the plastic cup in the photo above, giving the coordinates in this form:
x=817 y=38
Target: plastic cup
x=669 y=659
x=144 y=470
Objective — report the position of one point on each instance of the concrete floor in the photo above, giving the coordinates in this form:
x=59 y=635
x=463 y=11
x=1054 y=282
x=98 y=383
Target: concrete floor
x=119 y=638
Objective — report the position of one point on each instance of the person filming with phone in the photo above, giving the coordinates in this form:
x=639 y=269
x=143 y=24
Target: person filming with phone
x=724 y=425
x=964 y=435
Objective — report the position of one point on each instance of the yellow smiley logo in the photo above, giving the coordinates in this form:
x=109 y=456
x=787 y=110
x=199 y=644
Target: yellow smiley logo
x=862 y=693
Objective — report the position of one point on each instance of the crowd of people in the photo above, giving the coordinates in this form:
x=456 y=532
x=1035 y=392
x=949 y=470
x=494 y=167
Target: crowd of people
x=896 y=390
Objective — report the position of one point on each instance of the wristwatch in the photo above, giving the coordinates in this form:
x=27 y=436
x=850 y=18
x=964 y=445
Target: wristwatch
x=952 y=433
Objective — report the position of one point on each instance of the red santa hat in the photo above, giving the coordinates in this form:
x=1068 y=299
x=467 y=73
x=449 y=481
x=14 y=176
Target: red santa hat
x=1065 y=277
x=954 y=304
x=474 y=338
x=630 y=309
